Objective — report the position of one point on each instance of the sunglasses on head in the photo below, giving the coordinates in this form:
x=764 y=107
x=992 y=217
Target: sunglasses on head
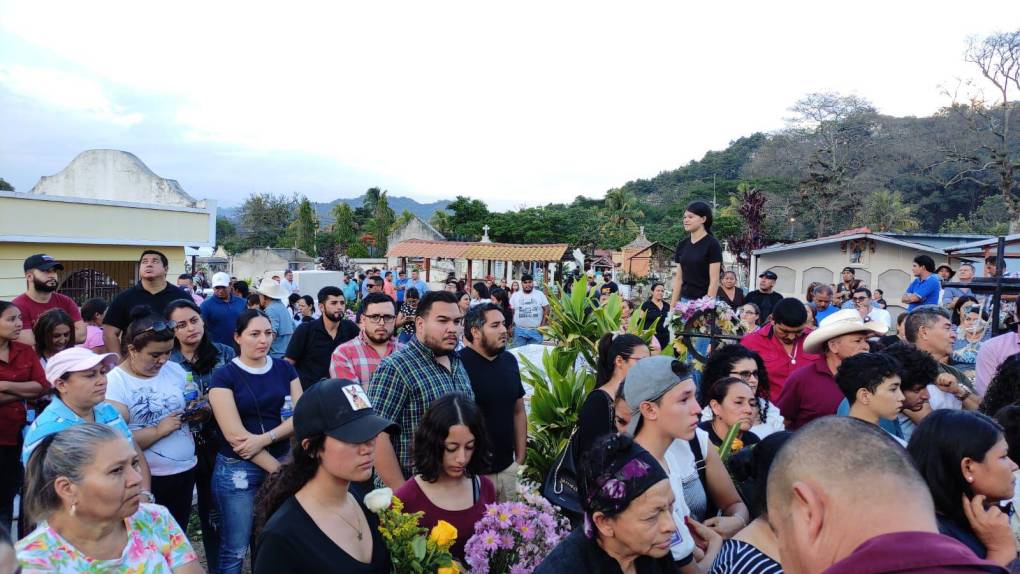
x=168 y=326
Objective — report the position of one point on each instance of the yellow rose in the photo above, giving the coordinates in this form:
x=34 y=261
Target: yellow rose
x=453 y=568
x=443 y=534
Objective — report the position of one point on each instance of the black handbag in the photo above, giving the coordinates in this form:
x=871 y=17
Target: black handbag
x=561 y=486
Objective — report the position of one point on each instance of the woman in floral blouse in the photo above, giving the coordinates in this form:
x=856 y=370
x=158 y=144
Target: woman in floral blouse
x=84 y=488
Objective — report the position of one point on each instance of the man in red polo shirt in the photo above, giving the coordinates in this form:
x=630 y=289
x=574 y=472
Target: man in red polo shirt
x=780 y=342
x=40 y=296
x=811 y=391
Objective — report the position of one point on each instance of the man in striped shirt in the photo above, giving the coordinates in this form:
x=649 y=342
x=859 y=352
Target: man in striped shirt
x=407 y=382
x=357 y=359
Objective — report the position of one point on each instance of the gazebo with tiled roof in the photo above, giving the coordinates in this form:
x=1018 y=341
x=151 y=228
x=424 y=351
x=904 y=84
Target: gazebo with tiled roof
x=485 y=251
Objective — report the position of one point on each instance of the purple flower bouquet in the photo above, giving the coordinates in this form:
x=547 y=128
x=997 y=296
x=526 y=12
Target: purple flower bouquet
x=514 y=537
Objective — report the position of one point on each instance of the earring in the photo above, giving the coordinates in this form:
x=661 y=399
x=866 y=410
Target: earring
x=970 y=479
x=74 y=508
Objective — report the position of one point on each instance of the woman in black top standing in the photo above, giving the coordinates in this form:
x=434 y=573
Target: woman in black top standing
x=699 y=256
x=617 y=353
x=655 y=308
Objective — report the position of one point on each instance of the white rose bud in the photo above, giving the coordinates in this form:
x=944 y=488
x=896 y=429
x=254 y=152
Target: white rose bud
x=379 y=499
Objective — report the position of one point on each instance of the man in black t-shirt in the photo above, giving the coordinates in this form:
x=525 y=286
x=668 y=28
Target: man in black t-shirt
x=313 y=342
x=496 y=382
x=152 y=289
x=764 y=297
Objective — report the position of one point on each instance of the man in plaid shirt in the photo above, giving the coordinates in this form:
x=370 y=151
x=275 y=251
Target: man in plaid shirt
x=357 y=359
x=407 y=382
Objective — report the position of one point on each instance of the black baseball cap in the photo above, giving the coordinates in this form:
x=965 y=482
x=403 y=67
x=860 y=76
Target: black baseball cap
x=769 y=275
x=42 y=262
x=339 y=408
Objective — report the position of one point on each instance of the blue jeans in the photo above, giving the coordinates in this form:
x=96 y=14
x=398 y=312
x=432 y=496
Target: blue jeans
x=234 y=484
x=524 y=336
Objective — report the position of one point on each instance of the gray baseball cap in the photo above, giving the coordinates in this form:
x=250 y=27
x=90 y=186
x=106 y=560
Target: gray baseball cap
x=648 y=380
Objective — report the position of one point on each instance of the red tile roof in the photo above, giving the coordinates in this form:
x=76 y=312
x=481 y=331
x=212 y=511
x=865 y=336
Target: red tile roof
x=478 y=250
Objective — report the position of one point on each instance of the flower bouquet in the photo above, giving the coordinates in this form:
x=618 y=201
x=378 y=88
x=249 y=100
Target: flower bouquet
x=413 y=549
x=701 y=316
x=514 y=537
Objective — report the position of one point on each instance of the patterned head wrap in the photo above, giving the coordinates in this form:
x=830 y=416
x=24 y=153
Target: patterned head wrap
x=626 y=476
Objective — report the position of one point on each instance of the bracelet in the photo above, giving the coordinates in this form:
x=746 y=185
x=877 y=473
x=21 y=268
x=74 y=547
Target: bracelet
x=272 y=437
x=963 y=396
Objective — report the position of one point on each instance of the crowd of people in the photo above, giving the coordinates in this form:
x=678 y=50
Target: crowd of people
x=829 y=438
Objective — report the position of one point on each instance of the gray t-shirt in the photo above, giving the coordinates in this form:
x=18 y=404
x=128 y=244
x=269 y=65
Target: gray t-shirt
x=528 y=308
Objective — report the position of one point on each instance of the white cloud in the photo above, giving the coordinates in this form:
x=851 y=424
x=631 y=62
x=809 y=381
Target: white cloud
x=516 y=103
x=64 y=90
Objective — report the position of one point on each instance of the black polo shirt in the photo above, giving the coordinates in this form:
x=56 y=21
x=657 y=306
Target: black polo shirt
x=311 y=346
x=118 y=313
x=497 y=386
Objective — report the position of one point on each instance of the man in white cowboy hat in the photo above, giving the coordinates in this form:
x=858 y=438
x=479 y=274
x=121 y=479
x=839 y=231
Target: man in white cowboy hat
x=272 y=295
x=811 y=391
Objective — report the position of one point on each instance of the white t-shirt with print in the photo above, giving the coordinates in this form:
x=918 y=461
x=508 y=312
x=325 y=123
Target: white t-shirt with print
x=680 y=464
x=149 y=401
x=528 y=308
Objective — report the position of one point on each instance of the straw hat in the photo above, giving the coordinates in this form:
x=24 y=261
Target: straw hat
x=842 y=322
x=272 y=289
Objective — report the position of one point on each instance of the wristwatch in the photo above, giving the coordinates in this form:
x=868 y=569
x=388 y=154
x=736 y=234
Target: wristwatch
x=148 y=494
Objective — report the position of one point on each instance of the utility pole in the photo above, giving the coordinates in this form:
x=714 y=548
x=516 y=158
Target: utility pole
x=715 y=205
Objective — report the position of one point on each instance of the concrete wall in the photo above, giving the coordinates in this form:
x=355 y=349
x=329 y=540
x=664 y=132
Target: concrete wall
x=888 y=268
x=116 y=176
x=13 y=255
x=414 y=229
x=254 y=264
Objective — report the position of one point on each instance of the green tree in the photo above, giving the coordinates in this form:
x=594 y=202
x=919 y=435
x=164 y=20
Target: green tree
x=619 y=215
x=468 y=217
x=884 y=211
x=404 y=218
x=226 y=234
x=382 y=222
x=4 y=186
x=366 y=212
x=990 y=218
x=304 y=226
x=442 y=221
x=264 y=220
x=344 y=226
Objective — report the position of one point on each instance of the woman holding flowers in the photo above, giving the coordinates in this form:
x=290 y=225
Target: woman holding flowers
x=628 y=514
x=314 y=523
x=450 y=456
x=732 y=403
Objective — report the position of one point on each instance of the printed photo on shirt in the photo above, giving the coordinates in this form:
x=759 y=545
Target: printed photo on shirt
x=356 y=397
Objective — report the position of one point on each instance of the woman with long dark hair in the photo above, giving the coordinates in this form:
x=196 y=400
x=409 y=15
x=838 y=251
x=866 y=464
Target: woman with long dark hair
x=198 y=355
x=656 y=308
x=54 y=332
x=732 y=402
x=738 y=361
x=617 y=354
x=148 y=392
x=964 y=458
x=451 y=455
x=305 y=516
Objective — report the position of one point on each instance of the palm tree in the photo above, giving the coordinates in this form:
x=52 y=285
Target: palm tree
x=884 y=211
x=620 y=210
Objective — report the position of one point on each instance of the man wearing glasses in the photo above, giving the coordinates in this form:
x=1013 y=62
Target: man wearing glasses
x=220 y=311
x=357 y=359
x=869 y=313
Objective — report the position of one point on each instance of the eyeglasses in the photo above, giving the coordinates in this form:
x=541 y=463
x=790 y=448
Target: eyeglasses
x=379 y=319
x=745 y=375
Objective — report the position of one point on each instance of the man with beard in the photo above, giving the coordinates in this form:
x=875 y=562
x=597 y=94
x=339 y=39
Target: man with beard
x=530 y=311
x=358 y=358
x=313 y=342
x=764 y=297
x=152 y=289
x=41 y=296
x=407 y=382
x=496 y=381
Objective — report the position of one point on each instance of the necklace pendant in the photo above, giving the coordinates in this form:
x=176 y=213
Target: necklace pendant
x=793 y=361
x=359 y=536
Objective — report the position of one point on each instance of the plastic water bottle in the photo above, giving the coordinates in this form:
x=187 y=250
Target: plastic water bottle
x=29 y=419
x=191 y=390
x=288 y=409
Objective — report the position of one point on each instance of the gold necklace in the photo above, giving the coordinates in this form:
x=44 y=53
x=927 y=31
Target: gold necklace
x=353 y=527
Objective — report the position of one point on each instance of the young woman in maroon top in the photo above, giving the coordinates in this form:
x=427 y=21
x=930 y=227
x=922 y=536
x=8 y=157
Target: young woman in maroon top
x=450 y=452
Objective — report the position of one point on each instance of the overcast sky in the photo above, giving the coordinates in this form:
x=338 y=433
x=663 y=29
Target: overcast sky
x=514 y=103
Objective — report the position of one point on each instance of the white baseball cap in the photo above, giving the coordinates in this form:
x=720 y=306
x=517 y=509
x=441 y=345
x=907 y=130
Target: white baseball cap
x=220 y=279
